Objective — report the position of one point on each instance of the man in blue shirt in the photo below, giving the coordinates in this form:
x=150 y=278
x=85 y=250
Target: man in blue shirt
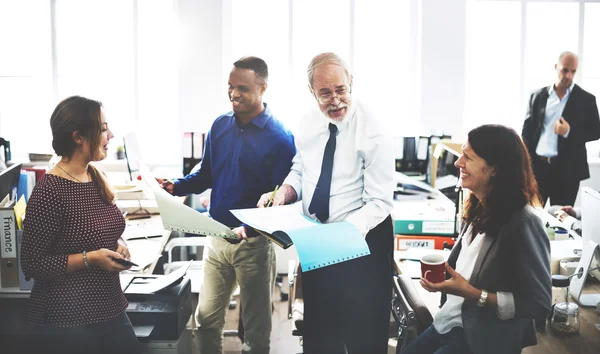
x=248 y=152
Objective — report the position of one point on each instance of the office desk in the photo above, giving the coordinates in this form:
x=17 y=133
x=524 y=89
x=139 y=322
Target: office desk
x=553 y=221
x=586 y=341
x=154 y=245
x=14 y=302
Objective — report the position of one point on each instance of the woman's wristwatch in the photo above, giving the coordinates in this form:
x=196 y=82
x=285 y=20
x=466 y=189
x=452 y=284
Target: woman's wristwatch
x=482 y=298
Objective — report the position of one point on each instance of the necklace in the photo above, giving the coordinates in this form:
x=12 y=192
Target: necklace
x=70 y=175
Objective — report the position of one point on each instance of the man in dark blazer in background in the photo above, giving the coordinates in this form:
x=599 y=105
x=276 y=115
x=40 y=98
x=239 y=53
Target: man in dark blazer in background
x=560 y=119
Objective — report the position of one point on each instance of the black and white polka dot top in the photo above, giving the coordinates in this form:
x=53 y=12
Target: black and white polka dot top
x=64 y=217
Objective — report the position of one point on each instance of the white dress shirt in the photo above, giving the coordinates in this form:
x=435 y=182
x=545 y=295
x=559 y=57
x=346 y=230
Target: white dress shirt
x=362 y=183
x=548 y=143
x=450 y=315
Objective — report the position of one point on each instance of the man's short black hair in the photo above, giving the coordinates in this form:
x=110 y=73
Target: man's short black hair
x=255 y=64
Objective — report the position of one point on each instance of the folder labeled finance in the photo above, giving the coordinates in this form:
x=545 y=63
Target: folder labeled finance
x=318 y=245
x=9 y=269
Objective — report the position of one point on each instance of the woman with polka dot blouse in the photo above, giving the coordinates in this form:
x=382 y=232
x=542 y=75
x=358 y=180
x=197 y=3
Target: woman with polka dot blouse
x=71 y=237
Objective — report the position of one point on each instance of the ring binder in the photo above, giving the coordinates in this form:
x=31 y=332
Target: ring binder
x=318 y=245
x=179 y=217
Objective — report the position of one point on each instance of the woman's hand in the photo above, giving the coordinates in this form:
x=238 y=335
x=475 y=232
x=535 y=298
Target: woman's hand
x=104 y=259
x=456 y=285
x=124 y=251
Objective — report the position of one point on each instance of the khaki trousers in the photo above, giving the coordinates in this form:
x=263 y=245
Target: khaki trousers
x=251 y=264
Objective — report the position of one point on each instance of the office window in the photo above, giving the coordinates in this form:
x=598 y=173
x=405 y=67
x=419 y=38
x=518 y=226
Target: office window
x=591 y=50
x=545 y=41
x=25 y=75
x=95 y=56
x=383 y=61
x=590 y=73
x=257 y=32
x=493 y=64
x=318 y=26
x=157 y=83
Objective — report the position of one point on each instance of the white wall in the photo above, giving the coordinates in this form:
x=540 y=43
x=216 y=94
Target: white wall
x=443 y=66
x=201 y=83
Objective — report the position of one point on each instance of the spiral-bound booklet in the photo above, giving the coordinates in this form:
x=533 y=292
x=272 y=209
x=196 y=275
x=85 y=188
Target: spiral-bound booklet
x=318 y=245
x=179 y=217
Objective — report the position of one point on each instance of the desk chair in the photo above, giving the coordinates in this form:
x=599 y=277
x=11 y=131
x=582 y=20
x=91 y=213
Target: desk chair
x=409 y=311
x=295 y=299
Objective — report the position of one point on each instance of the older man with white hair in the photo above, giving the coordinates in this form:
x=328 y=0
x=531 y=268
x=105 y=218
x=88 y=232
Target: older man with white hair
x=344 y=171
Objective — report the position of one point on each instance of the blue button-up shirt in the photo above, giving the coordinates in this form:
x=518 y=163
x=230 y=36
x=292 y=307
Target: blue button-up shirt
x=548 y=143
x=240 y=163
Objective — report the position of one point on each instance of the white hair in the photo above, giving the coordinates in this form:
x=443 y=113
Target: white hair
x=324 y=59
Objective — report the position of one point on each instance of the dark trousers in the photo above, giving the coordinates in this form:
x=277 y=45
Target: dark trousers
x=347 y=305
x=431 y=342
x=113 y=336
x=553 y=184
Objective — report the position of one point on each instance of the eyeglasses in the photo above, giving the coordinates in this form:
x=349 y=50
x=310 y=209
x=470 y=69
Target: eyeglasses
x=340 y=93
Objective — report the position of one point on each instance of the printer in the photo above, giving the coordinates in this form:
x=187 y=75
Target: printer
x=161 y=315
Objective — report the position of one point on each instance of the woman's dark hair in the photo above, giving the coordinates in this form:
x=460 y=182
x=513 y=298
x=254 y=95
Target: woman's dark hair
x=81 y=115
x=512 y=187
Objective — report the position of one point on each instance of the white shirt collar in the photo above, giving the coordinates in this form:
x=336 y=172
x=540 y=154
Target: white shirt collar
x=551 y=88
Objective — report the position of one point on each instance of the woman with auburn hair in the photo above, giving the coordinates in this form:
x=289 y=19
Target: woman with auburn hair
x=71 y=238
x=498 y=273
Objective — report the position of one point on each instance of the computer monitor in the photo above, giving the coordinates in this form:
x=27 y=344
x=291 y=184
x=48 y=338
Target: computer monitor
x=9 y=181
x=408 y=162
x=134 y=158
x=590 y=258
x=447 y=175
x=132 y=155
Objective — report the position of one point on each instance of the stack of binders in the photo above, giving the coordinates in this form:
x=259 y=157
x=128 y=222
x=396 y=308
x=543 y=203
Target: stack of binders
x=11 y=223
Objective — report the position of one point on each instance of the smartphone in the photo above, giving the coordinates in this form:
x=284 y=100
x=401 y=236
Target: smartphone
x=124 y=262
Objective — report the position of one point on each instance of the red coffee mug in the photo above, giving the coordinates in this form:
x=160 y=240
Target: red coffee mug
x=433 y=268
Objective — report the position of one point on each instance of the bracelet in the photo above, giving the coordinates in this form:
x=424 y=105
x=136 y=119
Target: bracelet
x=85 y=261
x=482 y=298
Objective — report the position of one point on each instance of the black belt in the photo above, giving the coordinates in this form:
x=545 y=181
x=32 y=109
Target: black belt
x=547 y=160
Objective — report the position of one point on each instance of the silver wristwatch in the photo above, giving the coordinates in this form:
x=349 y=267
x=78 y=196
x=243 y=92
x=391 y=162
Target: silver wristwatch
x=482 y=298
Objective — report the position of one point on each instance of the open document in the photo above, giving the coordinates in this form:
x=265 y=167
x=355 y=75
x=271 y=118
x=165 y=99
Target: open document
x=318 y=245
x=152 y=283
x=180 y=217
